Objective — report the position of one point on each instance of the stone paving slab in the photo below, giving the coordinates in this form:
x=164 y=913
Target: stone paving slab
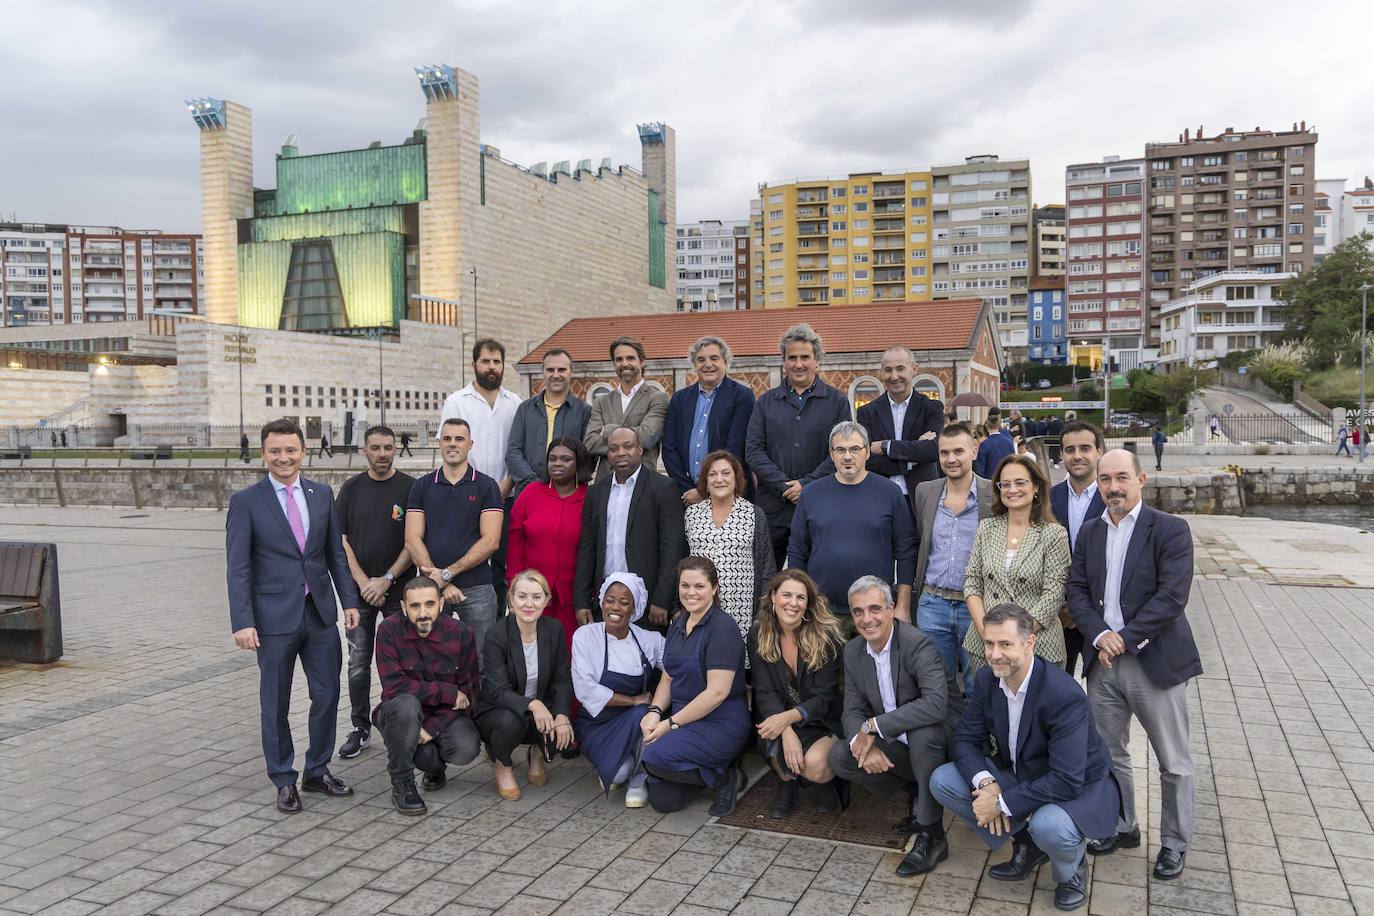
x=131 y=779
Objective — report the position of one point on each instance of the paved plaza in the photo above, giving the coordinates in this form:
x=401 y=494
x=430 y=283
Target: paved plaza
x=132 y=780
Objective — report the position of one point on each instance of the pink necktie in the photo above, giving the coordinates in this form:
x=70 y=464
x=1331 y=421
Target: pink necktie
x=293 y=518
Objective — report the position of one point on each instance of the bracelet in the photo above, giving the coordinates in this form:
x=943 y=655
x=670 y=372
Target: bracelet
x=655 y=709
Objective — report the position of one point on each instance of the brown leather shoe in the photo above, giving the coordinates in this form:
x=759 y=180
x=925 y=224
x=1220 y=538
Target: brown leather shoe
x=326 y=785
x=288 y=799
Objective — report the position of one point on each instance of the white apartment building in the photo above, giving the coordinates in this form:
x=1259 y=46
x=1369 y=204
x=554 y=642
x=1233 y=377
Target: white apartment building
x=59 y=274
x=1338 y=214
x=980 y=239
x=1226 y=311
x=712 y=265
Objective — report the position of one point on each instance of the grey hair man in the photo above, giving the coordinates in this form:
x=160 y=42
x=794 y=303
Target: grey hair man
x=712 y=413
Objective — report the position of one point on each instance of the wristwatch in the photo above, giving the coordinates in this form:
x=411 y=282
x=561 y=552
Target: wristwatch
x=673 y=726
x=869 y=727
x=388 y=577
x=446 y=575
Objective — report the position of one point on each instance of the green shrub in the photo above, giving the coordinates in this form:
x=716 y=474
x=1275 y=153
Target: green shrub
x=1088 y=391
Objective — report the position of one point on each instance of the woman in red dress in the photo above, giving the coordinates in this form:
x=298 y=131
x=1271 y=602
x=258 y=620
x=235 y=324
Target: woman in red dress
x=546 y=524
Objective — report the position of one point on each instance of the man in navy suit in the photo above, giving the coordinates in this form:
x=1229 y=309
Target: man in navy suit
x=903 y=426
x=285 y=559
x=1128 y=591
x=1075 y=500
x=711 y=414
x=1048 y=784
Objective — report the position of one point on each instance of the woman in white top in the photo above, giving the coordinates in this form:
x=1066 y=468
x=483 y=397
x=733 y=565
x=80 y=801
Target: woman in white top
x=526 y=686
x=615 y=667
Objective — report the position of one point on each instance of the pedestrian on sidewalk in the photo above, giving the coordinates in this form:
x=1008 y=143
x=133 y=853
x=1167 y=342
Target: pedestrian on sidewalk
x=405 y=445
x=1215 y=425
x=1363 y=441
x=1343 y=441
x=325 y=448
x=1158 y=439
x=1360 y=442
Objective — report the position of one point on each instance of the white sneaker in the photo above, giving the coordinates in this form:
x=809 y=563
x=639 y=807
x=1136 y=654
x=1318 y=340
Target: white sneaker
x=636 y=797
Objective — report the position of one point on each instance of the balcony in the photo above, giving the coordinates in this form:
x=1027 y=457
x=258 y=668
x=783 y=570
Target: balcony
x=171 y=248
x=171 y=262
x=889 y=242
x=890 y=207
x=810 y=230
x=811 y=262
x=813 y=297
x=103 y=260
x=811 y=279
x=811 y=213
x=888 y=294
x=881 y=191
x=171 y=292
x=889 y=257
x=890 y=275
x=812 y=196
x=889 y=225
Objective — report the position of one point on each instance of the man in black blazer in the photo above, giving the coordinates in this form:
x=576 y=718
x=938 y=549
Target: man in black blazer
x=902 y=426
x=285 y=559
x=1047 y=783
x=694 y=429
x=631 y=522
x=1075 y=500
x=900 y=706
x=1128 y=593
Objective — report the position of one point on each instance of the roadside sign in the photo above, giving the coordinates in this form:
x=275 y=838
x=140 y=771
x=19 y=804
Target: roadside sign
x=1241 y=370
x=1228 y=408
x=1052 y=405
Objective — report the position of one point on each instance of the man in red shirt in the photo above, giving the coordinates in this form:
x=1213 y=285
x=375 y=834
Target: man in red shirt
x=427 y=663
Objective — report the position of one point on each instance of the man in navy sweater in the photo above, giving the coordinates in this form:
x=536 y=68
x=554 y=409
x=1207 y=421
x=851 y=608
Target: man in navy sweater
x=853 y=524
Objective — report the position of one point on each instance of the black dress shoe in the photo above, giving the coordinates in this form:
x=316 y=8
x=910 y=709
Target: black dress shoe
x=404 y=796
x=1073 y=893
x=326 y=785
x=727 y=794
x=928 y=851
x=288 y=799
x=828 y=797
x=1025 y=858
x=435 y=781
x=1169 y=863
x=907 y=824
x=784 y=800
x=1128 y=840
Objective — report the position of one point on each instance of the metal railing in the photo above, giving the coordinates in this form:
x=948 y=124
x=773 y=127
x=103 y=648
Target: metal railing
x=1262 y=429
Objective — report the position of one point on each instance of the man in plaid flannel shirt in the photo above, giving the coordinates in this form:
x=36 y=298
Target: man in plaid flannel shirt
x=427 y=664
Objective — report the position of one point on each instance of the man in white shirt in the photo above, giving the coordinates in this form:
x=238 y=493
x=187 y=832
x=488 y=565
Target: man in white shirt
x=900 y=705
x=1048 y=784
x=1074 y=500
x=489 y=410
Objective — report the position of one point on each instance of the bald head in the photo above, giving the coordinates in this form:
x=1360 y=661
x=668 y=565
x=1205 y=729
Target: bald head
x=1120 y=481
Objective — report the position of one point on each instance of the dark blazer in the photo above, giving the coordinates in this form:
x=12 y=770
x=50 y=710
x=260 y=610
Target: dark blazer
x=924 y=688
x=906 y=453
x=1060 y=757
x=786 y=443
x=1059 y=502
x=1157 y=577
x=268 y=573
x=819 y=689
x=503 y=668
x=526 y=449
x=925 y=501
x=726 y=426
x=991 y=451
x=654 y=540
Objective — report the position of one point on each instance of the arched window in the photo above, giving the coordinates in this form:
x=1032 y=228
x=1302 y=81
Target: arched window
x=864 y=389
x=597 y=391
x=929 y=386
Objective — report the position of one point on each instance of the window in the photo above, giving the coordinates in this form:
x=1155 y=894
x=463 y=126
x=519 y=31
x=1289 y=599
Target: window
x=837 y=192
x=1037 y=314
x=1297 y=170
x=1161 y=165
x=861 y=206
x=860 y=189
x=837 y=226
x=1295 y=228
x=837 y=209
x=773 y=215
x=1186 y=162
x=775 y=199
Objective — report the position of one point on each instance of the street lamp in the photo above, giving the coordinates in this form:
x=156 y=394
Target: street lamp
x=1364 y=350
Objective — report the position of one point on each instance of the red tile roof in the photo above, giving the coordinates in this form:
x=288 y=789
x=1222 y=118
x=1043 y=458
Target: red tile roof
x=947 y=325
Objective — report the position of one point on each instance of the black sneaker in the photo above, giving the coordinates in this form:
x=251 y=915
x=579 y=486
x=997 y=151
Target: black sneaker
x=353 y=745
x=435 y=780
x=728 y=792
x=406 y=797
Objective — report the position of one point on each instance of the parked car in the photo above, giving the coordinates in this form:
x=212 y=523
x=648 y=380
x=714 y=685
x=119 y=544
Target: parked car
x=1043 y=383
x=1025 y=386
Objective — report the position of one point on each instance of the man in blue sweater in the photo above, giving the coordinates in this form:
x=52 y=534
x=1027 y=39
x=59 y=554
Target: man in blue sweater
x=853 y=524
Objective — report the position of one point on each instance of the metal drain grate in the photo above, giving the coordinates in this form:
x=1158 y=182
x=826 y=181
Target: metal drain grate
x=867 y=821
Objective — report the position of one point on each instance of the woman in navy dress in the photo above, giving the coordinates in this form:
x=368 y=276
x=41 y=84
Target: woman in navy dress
x=614 y=664
x=699 y=721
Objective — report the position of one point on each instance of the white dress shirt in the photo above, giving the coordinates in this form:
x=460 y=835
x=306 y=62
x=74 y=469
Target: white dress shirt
x=1016 y=703
x=625 y=399
x=593 y=652
x=618 y=522
x=531 y=651
x=490 y=425
x=301 y=504
x=1078 y=509
x=882 y=664
x=898 y=419
x=1118 y=539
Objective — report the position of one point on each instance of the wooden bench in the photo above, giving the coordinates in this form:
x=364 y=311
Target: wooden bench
x=30 y=614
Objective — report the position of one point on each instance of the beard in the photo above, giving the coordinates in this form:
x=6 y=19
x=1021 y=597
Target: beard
x=489 y=380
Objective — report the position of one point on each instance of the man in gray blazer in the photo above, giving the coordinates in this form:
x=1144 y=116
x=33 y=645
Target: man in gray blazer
x=948 y=511
x=633 y=403
x=900 y=709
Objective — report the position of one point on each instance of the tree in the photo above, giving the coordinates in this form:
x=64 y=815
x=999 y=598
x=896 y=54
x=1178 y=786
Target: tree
x=1162 y=395
x=1324 y=302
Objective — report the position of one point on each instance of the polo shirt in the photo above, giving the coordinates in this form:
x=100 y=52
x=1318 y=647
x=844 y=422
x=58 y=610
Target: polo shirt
x=453 y=515
x=714 y=644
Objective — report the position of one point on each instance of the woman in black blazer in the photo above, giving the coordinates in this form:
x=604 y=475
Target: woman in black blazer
x=795 y=648
x=526 y=693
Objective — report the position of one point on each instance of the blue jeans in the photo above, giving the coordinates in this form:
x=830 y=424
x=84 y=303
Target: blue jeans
x=477 y=610
x=1051 y=828
x=946 y=622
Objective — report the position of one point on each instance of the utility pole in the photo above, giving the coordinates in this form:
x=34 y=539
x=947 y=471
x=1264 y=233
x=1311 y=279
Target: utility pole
x=1362 y=419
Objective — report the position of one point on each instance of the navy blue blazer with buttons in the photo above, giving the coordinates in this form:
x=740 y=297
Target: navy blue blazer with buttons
x=1059 y=502
x=268 y=573
x=1156 y=579
x=1060 y=757
x=727 y=425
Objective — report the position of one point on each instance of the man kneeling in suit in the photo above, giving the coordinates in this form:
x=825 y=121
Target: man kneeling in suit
x=900 y=706
x=1048 y=784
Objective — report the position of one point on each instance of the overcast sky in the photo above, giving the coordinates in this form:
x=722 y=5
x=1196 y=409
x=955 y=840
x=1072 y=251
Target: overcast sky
x=93 y=129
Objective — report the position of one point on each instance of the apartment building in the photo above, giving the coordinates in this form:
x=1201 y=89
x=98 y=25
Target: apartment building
x=1047 y=344
x=980 y=231
x=713 y=266
x=1048 y=252
x=1104 y=266
x=860 y=239
x=1339 y=213
x=1238 y=200
x=1222 y=312
x=60 y=274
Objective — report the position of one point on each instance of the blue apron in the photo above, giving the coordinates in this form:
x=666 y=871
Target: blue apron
x=613 y=734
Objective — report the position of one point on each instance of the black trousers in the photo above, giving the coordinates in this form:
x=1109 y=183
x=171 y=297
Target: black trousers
x=316 y=644
x=399 y=720
x=1073 y=647
x=502 y=731
x=780 y=535
x=914 y=762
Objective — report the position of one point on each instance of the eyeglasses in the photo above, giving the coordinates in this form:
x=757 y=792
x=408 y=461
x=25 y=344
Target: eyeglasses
x=1019 y=484
x=850 y=450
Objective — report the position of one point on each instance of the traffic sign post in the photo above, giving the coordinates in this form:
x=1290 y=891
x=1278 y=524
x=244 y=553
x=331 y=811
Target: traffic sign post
x=1228 y=408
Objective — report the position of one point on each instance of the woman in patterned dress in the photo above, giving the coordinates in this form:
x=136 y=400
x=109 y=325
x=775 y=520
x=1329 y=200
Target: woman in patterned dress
x=732 y=533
